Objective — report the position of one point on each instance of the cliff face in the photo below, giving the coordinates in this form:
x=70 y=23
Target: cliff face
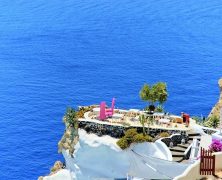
x=70 y=138
x=216 y=109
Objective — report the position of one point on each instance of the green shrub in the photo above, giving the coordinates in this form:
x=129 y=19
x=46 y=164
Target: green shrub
x=53 y=169
x=139 y=138
x=164 y=134
x=123 y=143
x=70 y=117
x=127 y=139
x=82 y=110
x=129 y=134
x=149 y=139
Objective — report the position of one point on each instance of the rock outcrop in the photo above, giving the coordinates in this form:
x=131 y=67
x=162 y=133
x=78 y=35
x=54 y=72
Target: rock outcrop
x=58 y=165
x=216 y=109
x=69 y=139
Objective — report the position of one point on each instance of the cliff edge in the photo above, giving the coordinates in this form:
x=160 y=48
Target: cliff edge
x=216 y=109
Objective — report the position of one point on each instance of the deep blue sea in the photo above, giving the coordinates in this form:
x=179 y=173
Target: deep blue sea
x=60 y=53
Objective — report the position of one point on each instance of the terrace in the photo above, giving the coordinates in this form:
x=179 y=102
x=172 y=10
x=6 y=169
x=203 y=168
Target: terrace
x=130 y=118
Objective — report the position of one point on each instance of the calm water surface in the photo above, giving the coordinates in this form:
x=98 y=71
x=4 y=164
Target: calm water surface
x=55 y=54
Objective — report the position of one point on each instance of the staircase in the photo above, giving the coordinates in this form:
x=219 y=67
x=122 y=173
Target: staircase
x=178 y=151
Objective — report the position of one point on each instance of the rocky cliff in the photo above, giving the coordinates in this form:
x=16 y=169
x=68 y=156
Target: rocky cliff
x=216 y=109
x=67 y=143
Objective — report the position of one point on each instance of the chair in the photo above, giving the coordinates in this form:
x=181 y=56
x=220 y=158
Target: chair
x=110 y=111
x=104 y=113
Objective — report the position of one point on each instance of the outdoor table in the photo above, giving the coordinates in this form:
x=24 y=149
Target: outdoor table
x=123 y=111
x=117 y=116
x=158 y=114
x=134 y=110
x=96 y=110
x=166 y=121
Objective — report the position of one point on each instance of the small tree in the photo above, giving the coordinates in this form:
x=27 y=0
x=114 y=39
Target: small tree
x=143 y=120
x=149 y=123
x=152 y=94
x=160 y=90
x=147 y=93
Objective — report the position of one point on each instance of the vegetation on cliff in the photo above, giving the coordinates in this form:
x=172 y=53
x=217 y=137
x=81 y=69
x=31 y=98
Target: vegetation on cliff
x=164 y=134
x=58 y=165
x=132 y=136
x=70 y=137
x=212 y=122
x=82 y=110
x=70 y=118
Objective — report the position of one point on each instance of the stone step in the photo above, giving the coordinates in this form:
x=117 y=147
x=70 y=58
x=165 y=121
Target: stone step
x=177 y=159
x=185 y=161
x=177 y=149
x=194 y=134
x=177 y=154
x=185 y=146
x=195 y=137
x=190 y=141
